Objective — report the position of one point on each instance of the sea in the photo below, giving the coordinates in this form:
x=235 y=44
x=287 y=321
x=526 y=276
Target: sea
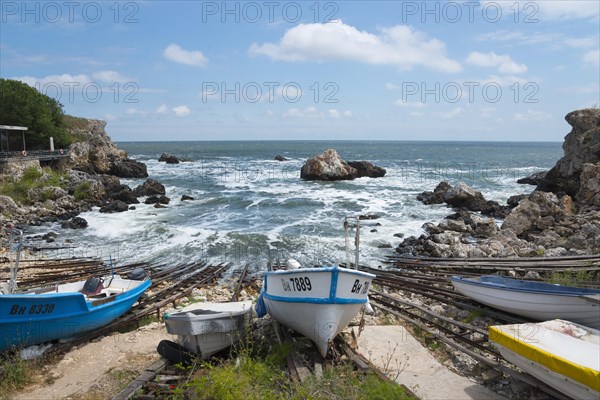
x=249 y=208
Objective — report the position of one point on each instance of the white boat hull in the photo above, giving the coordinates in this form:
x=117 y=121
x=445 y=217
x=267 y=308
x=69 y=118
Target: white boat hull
x=316 y=302
x=537 y=306
x=207 y=328
x=567 y=358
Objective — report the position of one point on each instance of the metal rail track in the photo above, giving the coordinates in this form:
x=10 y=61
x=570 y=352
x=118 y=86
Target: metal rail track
x=464 y=337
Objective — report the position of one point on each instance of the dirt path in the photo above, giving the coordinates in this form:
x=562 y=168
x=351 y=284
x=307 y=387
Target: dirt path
x=98 y=369
x=396 y=352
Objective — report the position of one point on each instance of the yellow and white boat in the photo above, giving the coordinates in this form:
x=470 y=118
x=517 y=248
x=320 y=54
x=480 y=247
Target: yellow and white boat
x=563 y=354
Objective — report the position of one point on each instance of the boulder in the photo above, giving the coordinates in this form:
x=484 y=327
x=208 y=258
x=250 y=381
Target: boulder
x=126 y=168
x=533 y=179
x=75 y=223
x=168 y=158
x=531 y=213
x=514 y=201
x=365 y=168
x=280 y=158
x=589 y=190
x=435 y=197
x=126 y=196
x=464 y=196
x=114 y=207
x=581 y=146
x=149 y=188
x=8 y=205
x=328 y=166
x=155 y=199
x=45 y=193
x=186 y=197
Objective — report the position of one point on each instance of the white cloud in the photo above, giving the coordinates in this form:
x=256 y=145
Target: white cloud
x=400 y=46
x=391 y=86
x=546 y=10
x=532 y=115
x=417 y=113
x=592 y=57
x=313 y=112
x=66 y=81
x=162 y=109
x=554 y=40
x=293 y=113
x=182 y=111
x=568 y=9
x=451 y=114
x=110 y=117
x=504 y=63
x=175 y=53
x=110 y=76
x=409 y=104
x=134 y=111
x=63 y=80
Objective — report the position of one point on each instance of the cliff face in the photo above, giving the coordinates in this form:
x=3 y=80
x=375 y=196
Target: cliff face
x=97 y=154
x=581 y=146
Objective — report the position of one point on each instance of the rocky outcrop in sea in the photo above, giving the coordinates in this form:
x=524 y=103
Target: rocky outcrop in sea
x=561 y=217
x=329 y=166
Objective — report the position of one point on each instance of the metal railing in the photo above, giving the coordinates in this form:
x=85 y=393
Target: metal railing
x=33 y=155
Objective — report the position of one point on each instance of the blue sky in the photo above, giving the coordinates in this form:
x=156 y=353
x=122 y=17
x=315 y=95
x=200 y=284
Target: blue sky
x=388 y=70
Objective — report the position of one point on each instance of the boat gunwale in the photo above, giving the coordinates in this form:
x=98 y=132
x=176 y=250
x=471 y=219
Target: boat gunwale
x=572 y=290
x=90 y=307
x=560 y=365
x=188 y=315
x=320 y=269
x=331 y=299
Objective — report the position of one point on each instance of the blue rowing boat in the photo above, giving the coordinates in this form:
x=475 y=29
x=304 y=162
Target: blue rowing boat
x=536 y=300
x=66 y=310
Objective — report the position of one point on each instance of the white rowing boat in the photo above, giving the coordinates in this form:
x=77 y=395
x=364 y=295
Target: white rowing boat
x=207 y=328
x=536 y=300
x=316 y=302
x=562 y=354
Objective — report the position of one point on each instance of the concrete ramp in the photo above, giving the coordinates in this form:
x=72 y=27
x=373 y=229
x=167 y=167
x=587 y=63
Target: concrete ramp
x=396 y=352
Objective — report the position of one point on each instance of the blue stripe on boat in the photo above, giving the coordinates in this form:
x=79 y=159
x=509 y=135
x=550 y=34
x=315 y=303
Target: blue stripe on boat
x=332 y=299
x=315 y=300
x=501 y=283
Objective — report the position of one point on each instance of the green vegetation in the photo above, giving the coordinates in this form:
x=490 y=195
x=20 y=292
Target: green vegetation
x=251 y=377
x=580 y=278
x=82 y=191
x=14 y=374
x=23 y=105
x=32 y=178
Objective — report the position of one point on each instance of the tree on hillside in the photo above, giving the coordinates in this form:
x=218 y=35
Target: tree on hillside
x=22 y=105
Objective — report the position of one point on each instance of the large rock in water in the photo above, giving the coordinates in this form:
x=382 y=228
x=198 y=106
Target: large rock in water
x=581 y=146
x=365 y=168
x=168 y=158
x=328 y=166
x=464 y=196
x=149 y=188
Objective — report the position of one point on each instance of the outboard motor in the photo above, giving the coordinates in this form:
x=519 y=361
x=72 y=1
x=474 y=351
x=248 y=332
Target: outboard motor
x=138 y=274
x=92 y=285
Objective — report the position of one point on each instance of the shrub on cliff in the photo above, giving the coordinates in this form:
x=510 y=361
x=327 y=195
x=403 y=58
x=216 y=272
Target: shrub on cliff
x=22 y=105
x=33 y=178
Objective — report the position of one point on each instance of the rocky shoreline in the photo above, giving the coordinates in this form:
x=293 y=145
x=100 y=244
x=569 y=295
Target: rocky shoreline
x=560 y=217
x=89 y=177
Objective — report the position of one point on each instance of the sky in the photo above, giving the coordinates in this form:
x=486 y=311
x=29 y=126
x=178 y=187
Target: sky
x=307 y=70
